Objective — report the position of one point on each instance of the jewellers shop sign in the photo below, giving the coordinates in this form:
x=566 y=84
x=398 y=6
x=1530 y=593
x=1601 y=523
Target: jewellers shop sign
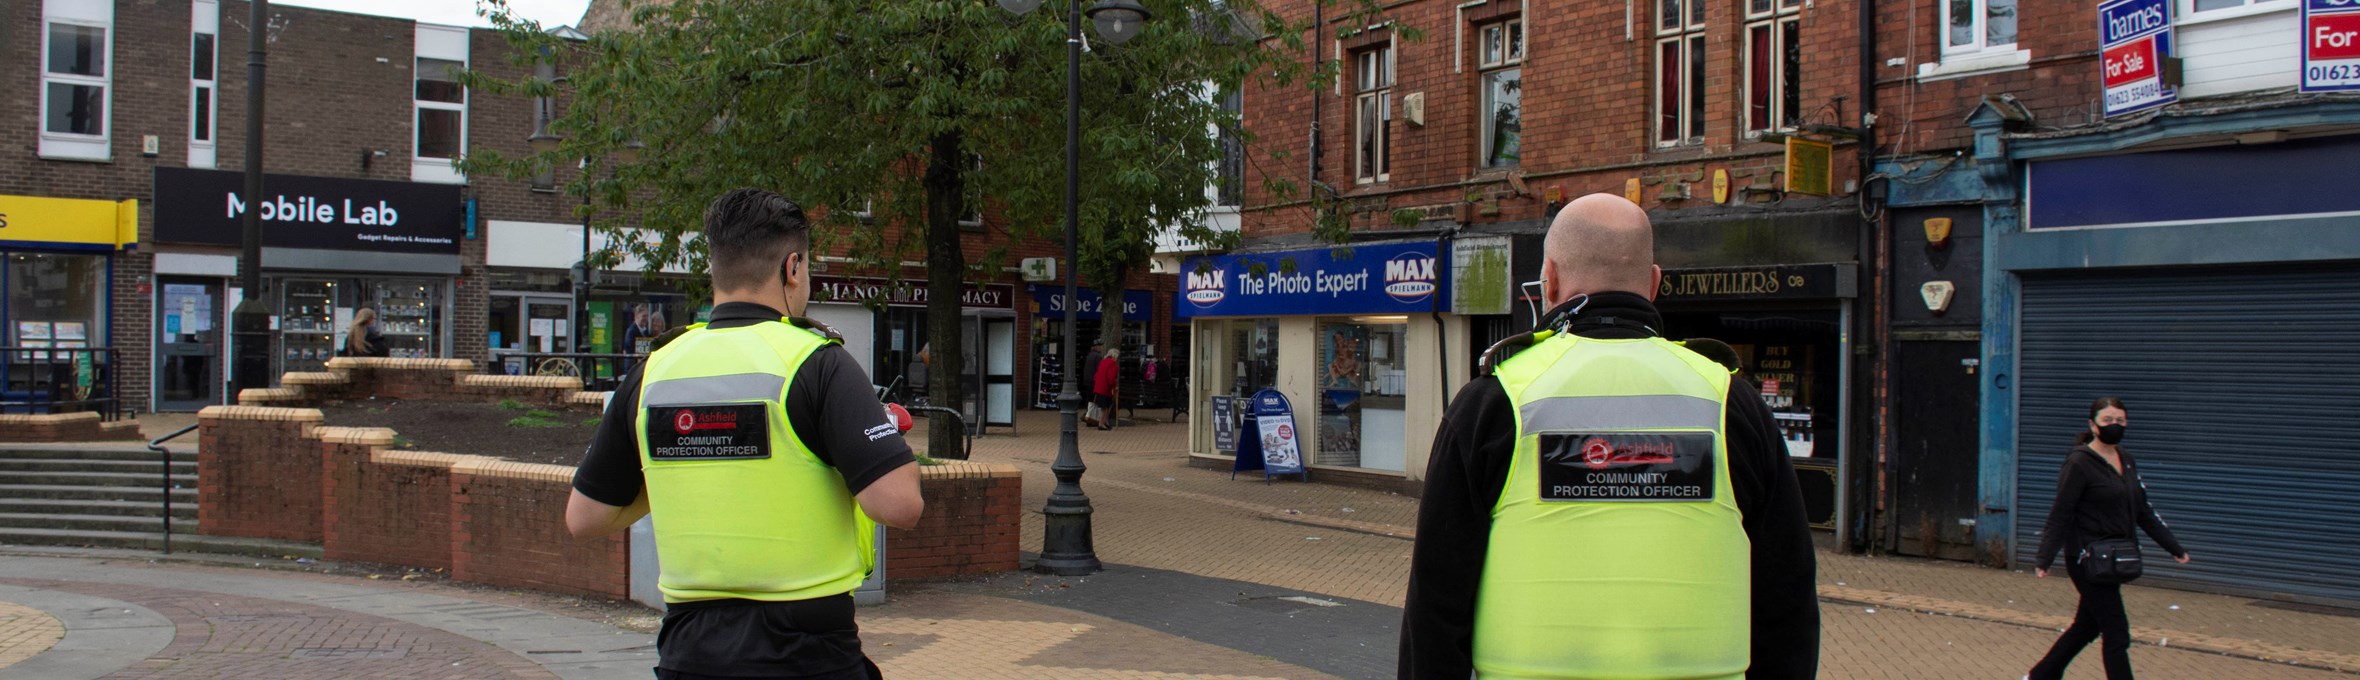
x=1393 y=278
x=208 y=207
x=907 y=293
x=2134 y=37
x=1768 y=282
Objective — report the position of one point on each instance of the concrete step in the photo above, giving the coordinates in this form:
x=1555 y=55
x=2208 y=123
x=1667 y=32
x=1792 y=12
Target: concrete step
x=185 y=493
x=9 y=520
x=254 y=547
x=150 y=466
x=149 y=480
x=148 y=509
x=183 y=449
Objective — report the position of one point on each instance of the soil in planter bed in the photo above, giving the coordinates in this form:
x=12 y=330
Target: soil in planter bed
x=475 y=429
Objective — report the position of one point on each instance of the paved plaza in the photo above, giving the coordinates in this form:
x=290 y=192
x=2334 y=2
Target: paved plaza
x=1207 y=577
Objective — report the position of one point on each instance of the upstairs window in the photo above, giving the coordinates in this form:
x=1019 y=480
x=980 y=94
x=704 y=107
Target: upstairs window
x=1372 y=114
x=1230 y=177
x=1972 y=26
x=77 y=78
x=1679 y=72
x=438 y=104
x=1773 y=65
x=204 y=22
x=1502 y=125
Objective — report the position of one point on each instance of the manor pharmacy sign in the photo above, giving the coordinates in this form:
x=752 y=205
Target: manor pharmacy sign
x=208 y=207
x=2134 y=37
x=1392 y=278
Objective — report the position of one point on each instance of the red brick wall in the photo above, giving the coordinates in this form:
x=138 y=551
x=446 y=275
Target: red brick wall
x=2061 y=87
x=509 y=521
x=258 y=472
x=386 y=512
x=65 y=427
x=973 y=515
x=1587 y=118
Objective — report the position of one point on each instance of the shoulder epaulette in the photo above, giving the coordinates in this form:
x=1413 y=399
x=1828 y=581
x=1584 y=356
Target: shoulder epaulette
x=815 y=326
x=1508 y=348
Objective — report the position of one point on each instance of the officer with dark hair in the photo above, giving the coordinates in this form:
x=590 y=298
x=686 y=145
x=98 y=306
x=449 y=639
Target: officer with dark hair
x=1606 y=503
x=759 y=446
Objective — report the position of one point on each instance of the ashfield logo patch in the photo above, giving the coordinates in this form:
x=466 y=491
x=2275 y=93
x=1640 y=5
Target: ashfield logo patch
x=1599 y=454
x=1410 y=277
x=685 y=423
x=1207 y=288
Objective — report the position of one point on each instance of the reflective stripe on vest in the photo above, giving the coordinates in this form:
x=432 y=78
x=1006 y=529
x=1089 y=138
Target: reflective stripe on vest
x=1616 y=549
x=739 y=515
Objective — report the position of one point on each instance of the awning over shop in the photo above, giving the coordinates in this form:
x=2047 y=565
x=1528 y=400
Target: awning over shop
x=68 y=223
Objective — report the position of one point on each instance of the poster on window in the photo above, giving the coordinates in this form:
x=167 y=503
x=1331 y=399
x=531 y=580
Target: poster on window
x=1224 y=410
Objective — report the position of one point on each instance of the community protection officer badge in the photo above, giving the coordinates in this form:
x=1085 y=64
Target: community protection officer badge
x=708 y=432
x=1592 y=467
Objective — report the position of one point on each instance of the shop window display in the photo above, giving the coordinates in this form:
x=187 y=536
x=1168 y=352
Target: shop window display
x=1362 y=383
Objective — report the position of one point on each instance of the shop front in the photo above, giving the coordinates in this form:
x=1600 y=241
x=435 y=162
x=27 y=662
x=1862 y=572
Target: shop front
x=884 y=324
x=1136 y=349
x=1788 y=325
x=56 y=271
x=535 y=302
x=1354 y=339
x=330 y=248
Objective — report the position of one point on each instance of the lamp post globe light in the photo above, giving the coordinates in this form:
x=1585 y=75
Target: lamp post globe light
x=1066 y=548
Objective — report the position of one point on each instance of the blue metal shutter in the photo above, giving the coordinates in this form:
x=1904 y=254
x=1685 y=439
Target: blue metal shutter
x=2243 y=388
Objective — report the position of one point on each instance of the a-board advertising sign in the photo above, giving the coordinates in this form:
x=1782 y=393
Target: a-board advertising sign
x=2331 y=45
x=2134 y=37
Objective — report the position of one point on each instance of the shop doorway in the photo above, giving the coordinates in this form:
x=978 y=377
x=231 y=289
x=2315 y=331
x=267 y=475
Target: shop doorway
x=1936 y=469
x=188 y=344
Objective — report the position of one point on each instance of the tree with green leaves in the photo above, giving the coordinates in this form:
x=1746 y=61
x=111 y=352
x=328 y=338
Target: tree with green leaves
x=898 y=123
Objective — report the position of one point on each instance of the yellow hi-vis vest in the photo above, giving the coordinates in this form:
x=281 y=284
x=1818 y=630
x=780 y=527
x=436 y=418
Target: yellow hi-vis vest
x=1616 y=548
x=742 y=508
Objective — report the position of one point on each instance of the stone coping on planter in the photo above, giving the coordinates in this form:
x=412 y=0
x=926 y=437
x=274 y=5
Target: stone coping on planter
x=419 y=458
x=48 y=418
x=550 y=382
x=453 y=365
x=312 y=378
x=588 y=398
x=265 y=395
x=484 y=466
x=359 y=436
x=963 y=470
x=308 y=415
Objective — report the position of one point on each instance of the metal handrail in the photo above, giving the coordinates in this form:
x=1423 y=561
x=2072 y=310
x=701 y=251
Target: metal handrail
x=157 y=446
x=969 y=450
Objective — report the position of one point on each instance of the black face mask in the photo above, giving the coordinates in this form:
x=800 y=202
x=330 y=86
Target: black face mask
x=2111 y=434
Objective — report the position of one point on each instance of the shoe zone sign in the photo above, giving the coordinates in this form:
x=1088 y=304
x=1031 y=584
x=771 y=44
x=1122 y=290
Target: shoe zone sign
x=2135 y=36
x=2331 y=45
x=1393 y=278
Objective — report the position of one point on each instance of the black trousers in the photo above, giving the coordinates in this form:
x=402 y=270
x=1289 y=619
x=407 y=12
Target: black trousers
x=2099 y=616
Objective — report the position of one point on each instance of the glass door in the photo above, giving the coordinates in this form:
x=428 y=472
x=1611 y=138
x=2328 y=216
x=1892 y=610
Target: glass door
x=188 y=344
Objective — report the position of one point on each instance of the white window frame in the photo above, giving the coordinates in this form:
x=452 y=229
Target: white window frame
x=448 y=43
x=1510 y=58
x=1372 y=85
x=1686 y=34
x=204 y=19
x=99 y=14
x=1981 y=28
x=1225 y=134
x=2185 y=12
x=1777 y=18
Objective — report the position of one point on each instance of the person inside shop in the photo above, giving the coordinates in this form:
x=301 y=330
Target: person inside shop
x=636 y=336
x=2100 y=506
x=361 y=339
x=763 y=531
x=1105 y=383
x=1658 y=530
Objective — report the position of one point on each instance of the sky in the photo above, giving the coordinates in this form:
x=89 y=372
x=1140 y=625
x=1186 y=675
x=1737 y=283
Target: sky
x=453 y=12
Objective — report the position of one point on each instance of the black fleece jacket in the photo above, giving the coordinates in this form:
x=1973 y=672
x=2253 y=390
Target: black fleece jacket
x=2094 y=503
x=1470 y=464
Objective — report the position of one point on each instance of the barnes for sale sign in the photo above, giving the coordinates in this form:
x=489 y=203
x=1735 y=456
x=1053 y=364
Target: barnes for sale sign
x=2134 y=37
x=2331 y=45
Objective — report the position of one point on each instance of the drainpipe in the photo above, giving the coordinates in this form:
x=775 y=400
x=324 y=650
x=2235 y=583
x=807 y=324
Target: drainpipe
x=1318 y=28
x=1872 y=252
x=1442 y=330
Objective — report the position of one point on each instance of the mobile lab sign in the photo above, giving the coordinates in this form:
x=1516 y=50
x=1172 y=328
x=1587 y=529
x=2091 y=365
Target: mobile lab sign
x=2331 y=45
x=2135 y=36
x=1393 y=278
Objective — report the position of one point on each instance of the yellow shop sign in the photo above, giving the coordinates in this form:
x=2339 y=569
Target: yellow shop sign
x=81 y=224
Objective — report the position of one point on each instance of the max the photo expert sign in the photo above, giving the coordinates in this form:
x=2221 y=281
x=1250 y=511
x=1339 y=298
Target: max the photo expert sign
x=2134 y=37
x=2331 y=45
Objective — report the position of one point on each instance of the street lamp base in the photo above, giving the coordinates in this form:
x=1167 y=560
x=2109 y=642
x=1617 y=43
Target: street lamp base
x=1065 y=543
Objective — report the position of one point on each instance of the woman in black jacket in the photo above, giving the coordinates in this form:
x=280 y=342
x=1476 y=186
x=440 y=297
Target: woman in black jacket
x=2098 y=497
x=362 y=338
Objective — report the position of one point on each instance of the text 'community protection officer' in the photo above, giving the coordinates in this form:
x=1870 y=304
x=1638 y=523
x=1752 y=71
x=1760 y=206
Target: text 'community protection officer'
x=1608 y=504
x=758 y=445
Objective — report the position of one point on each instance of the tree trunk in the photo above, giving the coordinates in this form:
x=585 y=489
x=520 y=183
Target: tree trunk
x=946 y=267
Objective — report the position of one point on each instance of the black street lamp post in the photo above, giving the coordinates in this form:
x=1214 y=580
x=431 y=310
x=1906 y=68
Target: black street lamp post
x=543 y=141
x=250 y=322
x=1066 y=549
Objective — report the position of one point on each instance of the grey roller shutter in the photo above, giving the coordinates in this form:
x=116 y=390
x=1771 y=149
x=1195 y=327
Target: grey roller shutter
x=2244 y=395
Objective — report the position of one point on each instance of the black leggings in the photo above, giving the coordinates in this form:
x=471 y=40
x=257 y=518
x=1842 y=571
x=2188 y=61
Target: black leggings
x=2100 y=615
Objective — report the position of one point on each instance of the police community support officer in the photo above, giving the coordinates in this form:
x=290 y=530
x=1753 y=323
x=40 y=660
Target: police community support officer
x=759 y=446
x=1607 y=504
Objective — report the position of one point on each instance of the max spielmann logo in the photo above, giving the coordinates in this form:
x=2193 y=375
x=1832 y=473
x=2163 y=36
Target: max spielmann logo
x=1410 y=277
x=1206 y=288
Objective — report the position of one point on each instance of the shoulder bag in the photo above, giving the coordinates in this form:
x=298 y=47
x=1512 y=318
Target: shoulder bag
x=2116 y=560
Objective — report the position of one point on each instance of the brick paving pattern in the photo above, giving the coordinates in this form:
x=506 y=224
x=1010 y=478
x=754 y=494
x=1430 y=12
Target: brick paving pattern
x=226 y=636
x=25 y=632
x=939 y=634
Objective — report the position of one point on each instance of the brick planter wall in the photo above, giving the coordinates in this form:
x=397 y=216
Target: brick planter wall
x=258 y=472
x=510 y=530
x=64 y=427
x=972 y=524
x=353 y=378
x=391 y=507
